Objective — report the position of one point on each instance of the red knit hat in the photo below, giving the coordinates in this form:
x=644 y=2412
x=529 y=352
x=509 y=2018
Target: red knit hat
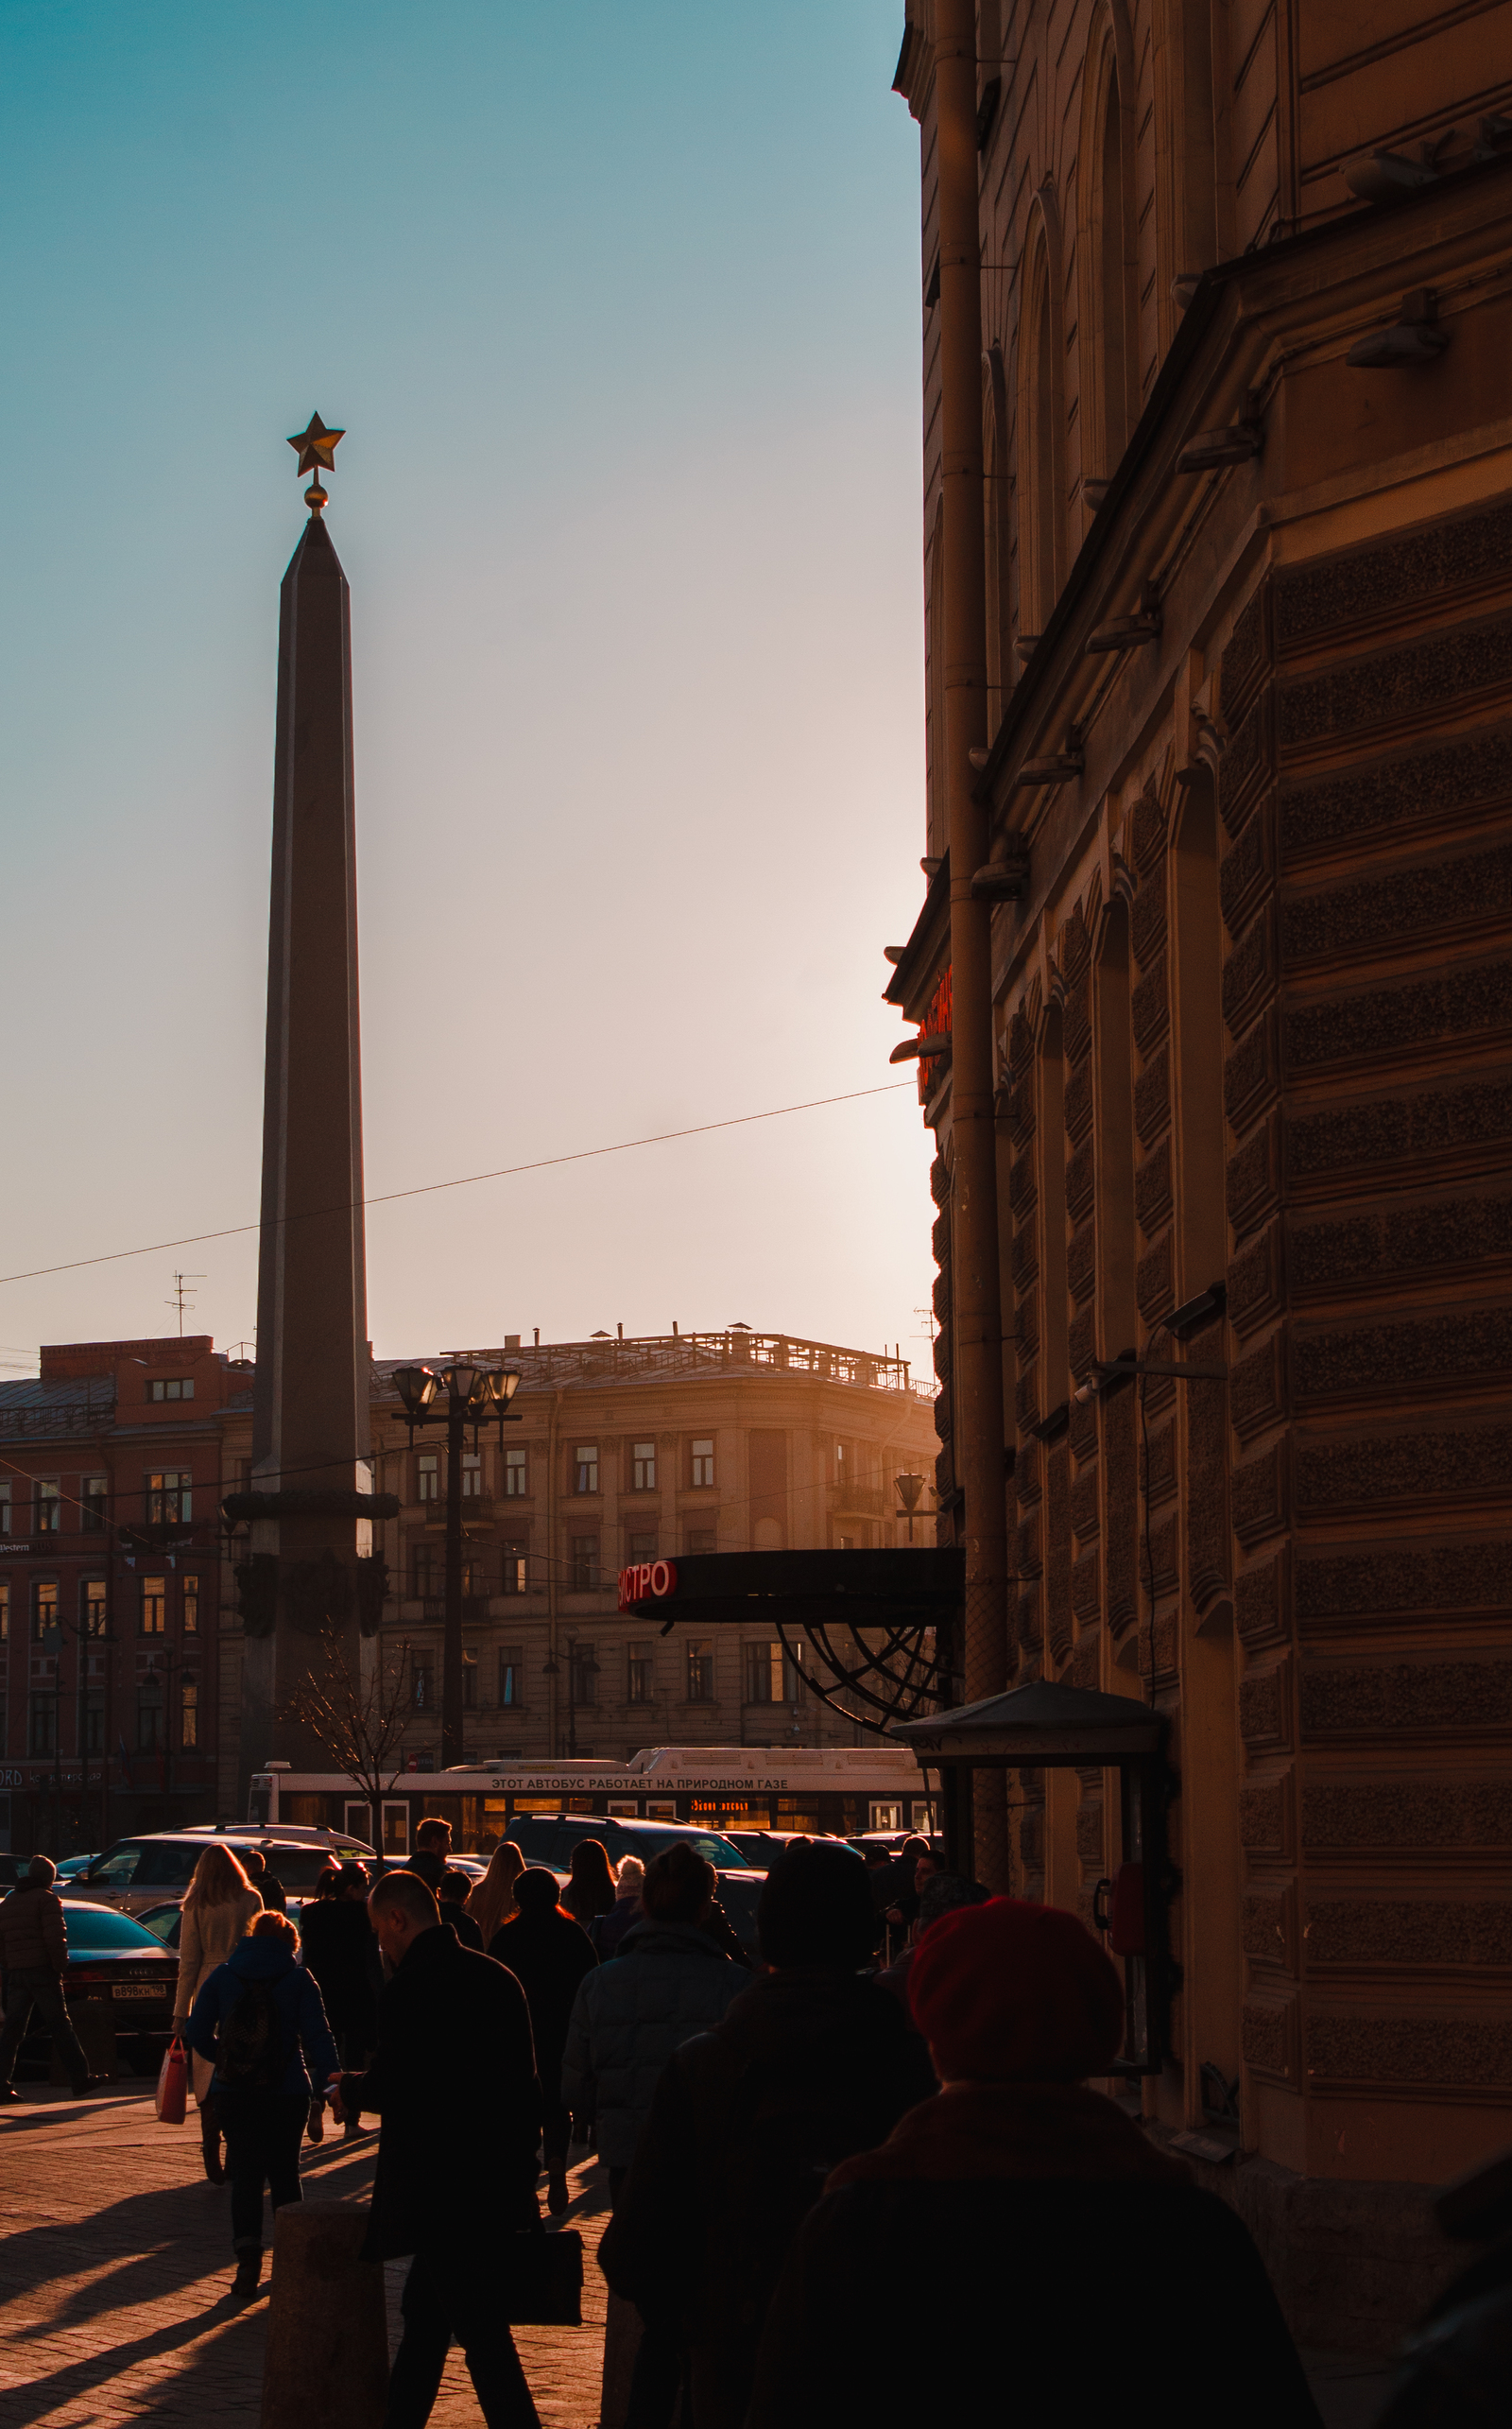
x=1013 y=1993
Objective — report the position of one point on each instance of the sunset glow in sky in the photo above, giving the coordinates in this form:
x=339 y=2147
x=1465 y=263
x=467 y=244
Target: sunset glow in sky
x=620 y=310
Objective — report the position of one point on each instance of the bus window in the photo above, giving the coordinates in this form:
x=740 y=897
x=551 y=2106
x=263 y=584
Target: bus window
x=886 y=1816
x=660 y=1809
x=396 y=1827
x=260 y=1809
x=621 y=1806
x=357 y=1822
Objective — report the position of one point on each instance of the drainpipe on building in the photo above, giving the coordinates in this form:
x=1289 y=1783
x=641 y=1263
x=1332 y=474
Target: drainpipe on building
x=976 y=1382
x=552 y=1670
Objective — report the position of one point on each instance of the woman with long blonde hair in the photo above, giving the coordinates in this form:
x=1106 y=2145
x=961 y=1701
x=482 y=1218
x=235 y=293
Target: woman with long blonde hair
x=219 y=1908
x=492 y=1902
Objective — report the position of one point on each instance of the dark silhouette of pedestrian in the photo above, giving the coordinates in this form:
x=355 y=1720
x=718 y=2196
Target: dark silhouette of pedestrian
x=337 y=1946
x=606 y=1931
x=1090 y=2280
x=453 y=2084
x=267 y=1884
x=548 y=1954
x=668 y=1981
x=811 y=2063
x=940 y=1892
x=34 y=1955
x=452 y=1898
x=259 y=2017
x=432 y=1850
x=591 y=1888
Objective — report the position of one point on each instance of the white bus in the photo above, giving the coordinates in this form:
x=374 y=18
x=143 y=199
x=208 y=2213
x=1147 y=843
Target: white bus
x=839 y=1789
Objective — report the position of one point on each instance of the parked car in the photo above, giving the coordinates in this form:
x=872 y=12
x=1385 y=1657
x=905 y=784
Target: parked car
x=892 y=1840
x=739 y=1895
x=763 y=1847
x=157 y=1868
x=549 y=1838
x=72 y=1865
x=13 y=1868
x=112 y=1959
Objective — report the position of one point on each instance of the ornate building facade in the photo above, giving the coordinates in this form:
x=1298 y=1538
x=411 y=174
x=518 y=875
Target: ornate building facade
x=1219 y=685
x=628 y=1450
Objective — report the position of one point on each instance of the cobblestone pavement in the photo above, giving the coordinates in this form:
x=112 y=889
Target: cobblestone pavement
x=114 y=2271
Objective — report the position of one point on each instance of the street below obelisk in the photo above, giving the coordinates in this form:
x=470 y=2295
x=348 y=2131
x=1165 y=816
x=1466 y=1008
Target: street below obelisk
x=115 y=2282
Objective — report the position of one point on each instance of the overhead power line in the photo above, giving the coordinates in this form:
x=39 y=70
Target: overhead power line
x=466 y=1181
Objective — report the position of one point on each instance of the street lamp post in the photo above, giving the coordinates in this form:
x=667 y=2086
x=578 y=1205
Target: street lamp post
x=473 y=1395
x=551 y=1668
x=909 y=1489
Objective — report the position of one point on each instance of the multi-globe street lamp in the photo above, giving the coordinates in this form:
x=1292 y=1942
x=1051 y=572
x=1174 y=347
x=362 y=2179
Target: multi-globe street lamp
x=458 y=1395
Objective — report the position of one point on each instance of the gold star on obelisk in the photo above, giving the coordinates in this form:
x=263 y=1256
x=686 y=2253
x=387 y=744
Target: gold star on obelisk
x=316 y=450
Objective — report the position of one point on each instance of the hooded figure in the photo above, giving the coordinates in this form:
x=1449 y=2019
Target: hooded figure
x=1088 y=2277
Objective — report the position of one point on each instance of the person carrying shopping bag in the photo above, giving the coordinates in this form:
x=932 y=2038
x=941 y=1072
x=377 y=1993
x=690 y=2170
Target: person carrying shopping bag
x=219 y=1909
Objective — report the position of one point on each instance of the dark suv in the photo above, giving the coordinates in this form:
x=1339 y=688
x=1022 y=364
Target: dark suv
x=549 y=1838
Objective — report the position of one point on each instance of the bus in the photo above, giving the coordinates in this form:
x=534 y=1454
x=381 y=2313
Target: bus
x=842 y=1790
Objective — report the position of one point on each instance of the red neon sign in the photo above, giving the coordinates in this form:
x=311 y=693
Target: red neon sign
x=647 y=1581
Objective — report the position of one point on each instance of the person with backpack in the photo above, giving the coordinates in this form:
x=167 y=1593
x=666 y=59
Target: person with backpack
x=811 y=2063
x=259 y=2017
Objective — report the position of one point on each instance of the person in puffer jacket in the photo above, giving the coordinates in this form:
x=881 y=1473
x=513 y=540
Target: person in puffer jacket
x=259 y=2017
x=667 y=1983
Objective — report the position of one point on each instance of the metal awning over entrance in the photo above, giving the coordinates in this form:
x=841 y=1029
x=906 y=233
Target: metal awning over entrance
x=878 y=1625
x=1046 y=1727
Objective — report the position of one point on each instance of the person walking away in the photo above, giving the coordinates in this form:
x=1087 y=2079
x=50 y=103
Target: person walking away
x=260 y=2017
x=548 y=1955
x=432 y=1850
x=811 y=2063
x=453 y=2084
x=337 y=1947
x=668 y=1981
x=219 y=1907
x=490 y=1900
x=590 y=1889
x=34 y=1955
x=452 y=1898
x=270 y=1889
x=606 y=1931
x=1062 y=2231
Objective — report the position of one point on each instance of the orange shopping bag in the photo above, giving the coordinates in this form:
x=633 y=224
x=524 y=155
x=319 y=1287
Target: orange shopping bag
x=172 y=2083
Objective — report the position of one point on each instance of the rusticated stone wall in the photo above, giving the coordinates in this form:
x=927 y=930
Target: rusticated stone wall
x=1367 y=889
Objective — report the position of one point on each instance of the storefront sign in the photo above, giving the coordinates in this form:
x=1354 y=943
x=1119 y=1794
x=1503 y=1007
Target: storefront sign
x=647 y=1581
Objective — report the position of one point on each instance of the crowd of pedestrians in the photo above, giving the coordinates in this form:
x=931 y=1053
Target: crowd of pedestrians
x=779 y=2137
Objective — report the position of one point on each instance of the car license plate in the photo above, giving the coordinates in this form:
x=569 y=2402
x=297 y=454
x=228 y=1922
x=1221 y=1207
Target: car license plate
x=136 y=1990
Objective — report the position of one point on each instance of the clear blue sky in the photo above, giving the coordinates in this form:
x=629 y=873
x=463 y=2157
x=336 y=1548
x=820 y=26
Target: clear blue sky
x=620 y=308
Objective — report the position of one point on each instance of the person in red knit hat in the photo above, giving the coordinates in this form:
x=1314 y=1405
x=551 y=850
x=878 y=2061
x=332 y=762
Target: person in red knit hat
x=1081 y=2270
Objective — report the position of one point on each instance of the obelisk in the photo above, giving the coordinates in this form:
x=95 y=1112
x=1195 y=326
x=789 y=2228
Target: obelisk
x=310 y=1426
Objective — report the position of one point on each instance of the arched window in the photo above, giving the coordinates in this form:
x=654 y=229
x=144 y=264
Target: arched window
x=1113 y=331
x=1039 y=572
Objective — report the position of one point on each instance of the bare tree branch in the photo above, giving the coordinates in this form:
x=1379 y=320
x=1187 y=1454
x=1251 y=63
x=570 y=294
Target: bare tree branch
x=361 y=1727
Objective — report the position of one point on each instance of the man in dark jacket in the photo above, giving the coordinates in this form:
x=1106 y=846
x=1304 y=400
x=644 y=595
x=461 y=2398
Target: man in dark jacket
x=34 y=1953
x=548 y=1954
x=257 y=2017
x=432 y=1850
x=1061 y=2229
x=811 y=2063
x=453 y=2084
x=336 y=1945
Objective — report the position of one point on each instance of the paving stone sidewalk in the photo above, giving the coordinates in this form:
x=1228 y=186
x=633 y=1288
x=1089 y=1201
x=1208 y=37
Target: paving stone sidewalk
x=116 y=2261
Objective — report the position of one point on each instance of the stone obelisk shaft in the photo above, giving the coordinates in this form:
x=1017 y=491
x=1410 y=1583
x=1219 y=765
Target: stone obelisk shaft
x=311 y=1413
